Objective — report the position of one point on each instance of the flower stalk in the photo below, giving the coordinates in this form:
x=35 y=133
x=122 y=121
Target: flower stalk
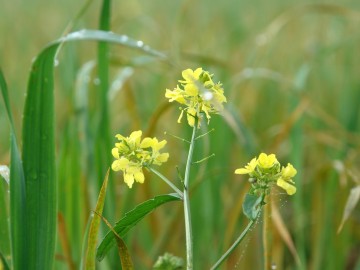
x=187 y=212
x=238 y=240
x=167 y=181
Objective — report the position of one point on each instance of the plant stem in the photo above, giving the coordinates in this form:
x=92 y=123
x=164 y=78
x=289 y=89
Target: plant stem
x=167 y=181
x=238 y=240
x=266 y=234
x=234 y=245
x=187 y=214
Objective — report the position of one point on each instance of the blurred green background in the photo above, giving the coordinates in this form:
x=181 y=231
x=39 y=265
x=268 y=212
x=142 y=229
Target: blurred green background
x=290 y=71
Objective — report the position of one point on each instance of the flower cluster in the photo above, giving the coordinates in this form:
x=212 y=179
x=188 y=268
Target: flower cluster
x=132 y=154
x=265 y=170
x=199 y=95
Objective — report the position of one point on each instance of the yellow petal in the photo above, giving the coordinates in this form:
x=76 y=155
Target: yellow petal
x=191 y=114
x=115 y=152
x=139 y=177
x=135 y=135
x=119 y=137
x=159 y=145
x=129 y=179
x=119 y=164
x=147 y=142
x=290 y=189
x=180 y=116
x=162 y=157
x=267 y=161
x=242 y=171
x=288 y=172
x=191 y=89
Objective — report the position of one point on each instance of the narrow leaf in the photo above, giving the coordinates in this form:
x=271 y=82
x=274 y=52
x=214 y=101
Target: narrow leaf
x=131 y=219
x=351 y=202
x=4 y=219
x=39 y=232
x=126 y=262
x=94 y=227
x=17 y=191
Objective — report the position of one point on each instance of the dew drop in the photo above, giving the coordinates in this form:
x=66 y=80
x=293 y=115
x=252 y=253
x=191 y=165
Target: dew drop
x=56 y=62
x=208 y=95
x=273 y=266
x=139 y=43
x=96 y=81
x=124 y=38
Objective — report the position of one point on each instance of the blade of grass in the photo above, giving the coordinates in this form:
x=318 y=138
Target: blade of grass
x=126 y=261
x=39 y=156
x=94 y=227
x=17 y=191
x=4 y=220
x=39 y=163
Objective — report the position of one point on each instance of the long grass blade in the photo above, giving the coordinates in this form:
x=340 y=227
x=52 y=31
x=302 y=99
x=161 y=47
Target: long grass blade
x=94 y=227
x=17 y=191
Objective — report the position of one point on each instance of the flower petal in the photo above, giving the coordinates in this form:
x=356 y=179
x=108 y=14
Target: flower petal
x=115 y=152
x=290 y=189
x=242 y=171
x=129 y=179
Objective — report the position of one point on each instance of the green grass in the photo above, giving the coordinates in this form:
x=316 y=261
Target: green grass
x=290 y=73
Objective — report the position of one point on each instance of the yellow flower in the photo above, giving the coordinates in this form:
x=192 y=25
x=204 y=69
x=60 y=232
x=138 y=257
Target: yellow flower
x=265 y=170
x=267 y=161
x=132 y=154
x=288 y=172
x=285 y=181
x=287 y=185
x=248 y=168
x=199 y=94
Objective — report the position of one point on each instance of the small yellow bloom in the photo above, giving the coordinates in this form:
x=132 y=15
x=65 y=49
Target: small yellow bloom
x=288 y=172
x=248 y=168
x=132 y=154
x=286 y=185
x=267 y=161
x=199 y=94
x=265 y=170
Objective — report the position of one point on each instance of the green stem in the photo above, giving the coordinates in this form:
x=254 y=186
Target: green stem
x=237 y=241
x=167 y=181
x=187 y=214
x=234 y=245
x=266 y=234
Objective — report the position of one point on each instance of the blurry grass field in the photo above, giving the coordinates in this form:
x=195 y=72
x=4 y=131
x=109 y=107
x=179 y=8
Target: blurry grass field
x=291 y=76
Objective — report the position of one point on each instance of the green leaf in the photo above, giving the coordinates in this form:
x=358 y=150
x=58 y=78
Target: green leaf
x=94 y=227
x=4 y=219
x=17 y=191
x=126 y=262
x=39 y=231
x=131 y=219
x=252 y=206
x=39 y=163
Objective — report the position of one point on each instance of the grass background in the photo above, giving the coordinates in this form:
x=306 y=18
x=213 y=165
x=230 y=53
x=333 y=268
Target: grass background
x=291 y=75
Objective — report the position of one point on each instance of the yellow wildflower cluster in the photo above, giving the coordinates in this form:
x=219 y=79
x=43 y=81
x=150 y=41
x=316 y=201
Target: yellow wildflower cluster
x=199 y=94
x=132 y=154
x=266 y=170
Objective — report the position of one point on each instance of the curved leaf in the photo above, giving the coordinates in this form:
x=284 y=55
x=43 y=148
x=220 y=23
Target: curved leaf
x=39 y=151
x=130 y=219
